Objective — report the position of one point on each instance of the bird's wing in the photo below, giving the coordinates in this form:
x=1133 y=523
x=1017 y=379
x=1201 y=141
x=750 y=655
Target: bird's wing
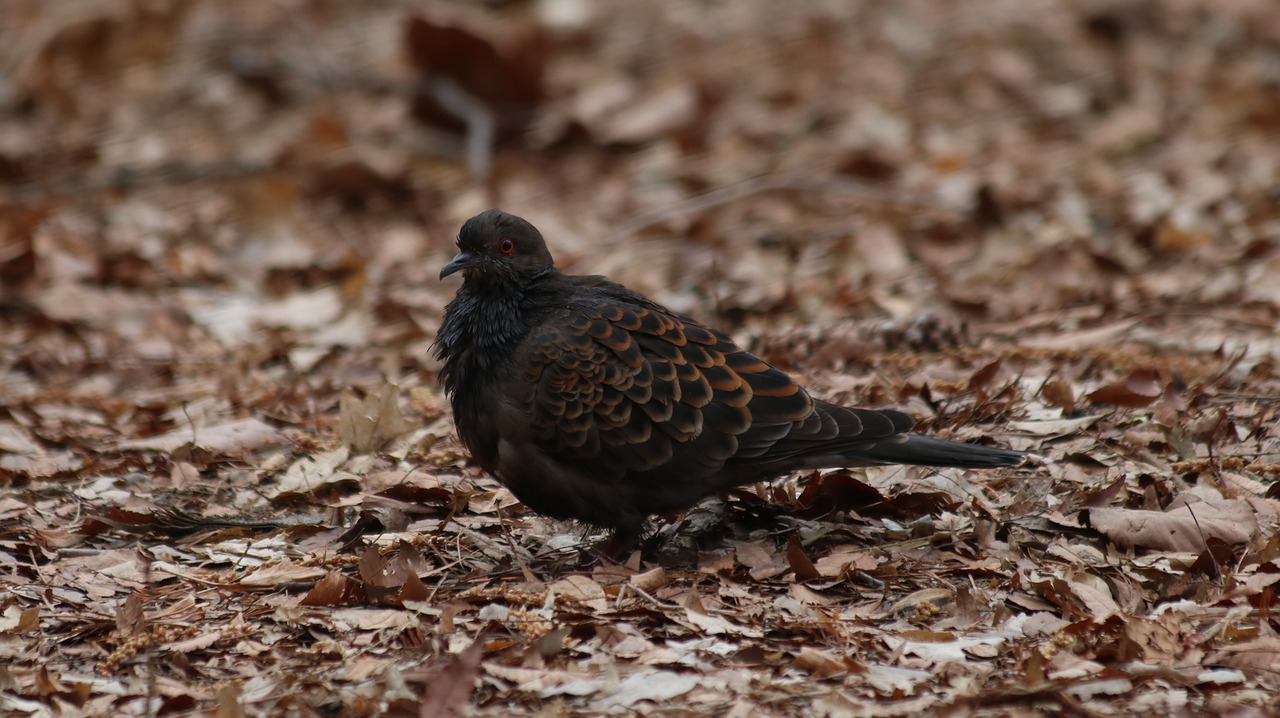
x=632 y=388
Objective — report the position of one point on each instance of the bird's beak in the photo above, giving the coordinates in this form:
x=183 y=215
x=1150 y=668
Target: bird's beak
x=463 y=260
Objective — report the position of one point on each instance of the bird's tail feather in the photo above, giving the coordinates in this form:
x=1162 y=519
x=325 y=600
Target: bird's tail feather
x=928 y=451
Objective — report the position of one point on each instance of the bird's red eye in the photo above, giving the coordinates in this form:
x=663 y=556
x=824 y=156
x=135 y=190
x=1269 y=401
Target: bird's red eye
x=507 y=245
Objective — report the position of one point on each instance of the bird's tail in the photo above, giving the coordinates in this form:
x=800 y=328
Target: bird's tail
x=928 y=451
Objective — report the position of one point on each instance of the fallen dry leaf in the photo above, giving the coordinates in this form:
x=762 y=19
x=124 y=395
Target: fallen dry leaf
x=1177 y=530
x=1140 y=388
x=451 y=689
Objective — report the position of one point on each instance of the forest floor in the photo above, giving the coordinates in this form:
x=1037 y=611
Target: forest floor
x=229 y=484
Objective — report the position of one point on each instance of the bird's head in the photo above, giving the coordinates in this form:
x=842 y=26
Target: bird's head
x=501 y=247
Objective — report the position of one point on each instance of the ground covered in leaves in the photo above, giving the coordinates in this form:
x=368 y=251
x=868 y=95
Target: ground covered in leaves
x=229 y=485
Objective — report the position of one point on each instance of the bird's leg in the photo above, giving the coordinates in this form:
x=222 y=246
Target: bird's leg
x=615 y=549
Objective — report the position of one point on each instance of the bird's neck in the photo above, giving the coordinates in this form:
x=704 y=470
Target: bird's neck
x=482 y=327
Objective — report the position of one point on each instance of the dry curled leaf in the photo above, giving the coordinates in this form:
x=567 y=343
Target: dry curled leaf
x=1059 y=393
x=449 y=692
x=1140 y=388
x=369 y=424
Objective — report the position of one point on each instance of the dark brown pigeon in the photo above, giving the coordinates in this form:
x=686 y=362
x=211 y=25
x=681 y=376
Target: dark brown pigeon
x=591 y=401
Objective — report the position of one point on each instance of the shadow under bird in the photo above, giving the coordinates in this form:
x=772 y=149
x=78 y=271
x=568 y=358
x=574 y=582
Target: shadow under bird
x=590 y=401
